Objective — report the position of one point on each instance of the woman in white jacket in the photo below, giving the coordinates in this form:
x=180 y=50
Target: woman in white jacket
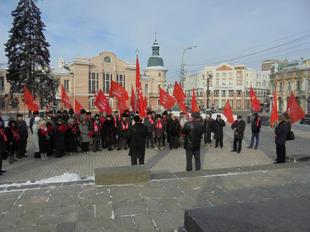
x=35 y=137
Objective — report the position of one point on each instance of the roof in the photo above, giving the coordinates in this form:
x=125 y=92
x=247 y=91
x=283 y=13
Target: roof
x=60 y=71
x=156 y=68
x=155 y=61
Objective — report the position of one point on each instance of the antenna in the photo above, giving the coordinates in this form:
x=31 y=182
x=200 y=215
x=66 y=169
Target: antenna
x=155 y=37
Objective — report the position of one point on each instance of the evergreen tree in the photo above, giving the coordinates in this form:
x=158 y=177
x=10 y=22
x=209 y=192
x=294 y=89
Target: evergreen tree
x=28 y=55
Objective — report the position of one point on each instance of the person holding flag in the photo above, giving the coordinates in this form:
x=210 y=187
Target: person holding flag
x=255 y=127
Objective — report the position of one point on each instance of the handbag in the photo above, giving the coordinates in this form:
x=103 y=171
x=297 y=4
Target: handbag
x=290 y=135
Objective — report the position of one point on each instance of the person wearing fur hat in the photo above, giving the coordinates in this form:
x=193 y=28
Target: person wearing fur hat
x=23 y=133
x=44 y=140
x=137 y=136
x=193 y=131
x=95 y=129
x=13 y=137
x=84 y=135
x=281 y=132
x=71 y=135
x=238 y=126
x=109 y=132
x=59 y=138
x=123 y=131
x=218 y=131
x=159 y=132
x=175 y=132
x=149 y=123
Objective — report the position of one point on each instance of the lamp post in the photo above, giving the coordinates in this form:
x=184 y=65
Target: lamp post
x=182 y=64
x=209 y=77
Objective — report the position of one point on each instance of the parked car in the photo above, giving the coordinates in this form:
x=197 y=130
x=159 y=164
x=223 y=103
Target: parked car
x=305 y=120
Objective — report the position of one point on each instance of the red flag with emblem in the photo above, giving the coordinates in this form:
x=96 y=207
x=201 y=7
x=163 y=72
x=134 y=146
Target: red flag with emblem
x=165 y=99
x=195 y=107
x=294 y=110
x=33 y=106
x=65 y=98
x=254 y=100
x=29 y=101
x=227 y=111
x=141 y=102
x=274 y=111
x=102 y=103
x=118 y=91
x=122 y=106
x=77 y=106
x=179 y=95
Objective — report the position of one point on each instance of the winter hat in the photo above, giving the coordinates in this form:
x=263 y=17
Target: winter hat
x=136 y=118
x=196 y=115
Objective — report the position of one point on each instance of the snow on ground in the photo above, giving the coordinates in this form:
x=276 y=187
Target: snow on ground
x=66 y=177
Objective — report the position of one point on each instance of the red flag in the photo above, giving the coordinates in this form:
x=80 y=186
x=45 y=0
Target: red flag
x=65 y=98
x=165 y=99
x=195 y=107
x=179 y=95
x=118 y=91
x=133 y=100
x=122 y=106
x=227 y=111
x=274 y=110
x=139 y=90
x=102 y=103
x=29 y=101
x=294 y=110
x=254 y=101
x=77 y=106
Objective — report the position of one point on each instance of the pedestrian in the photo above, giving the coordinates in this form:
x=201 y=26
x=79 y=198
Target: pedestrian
x=238 y=126
x=123 y=131
x=71 y=135
x=137 y=137
x=193 y=131
x=23 y=136
x=255 y=127
x=1 y=121
x=109 y=132
x=44 y=140
x=281 y=132
x=35 y=137
x=175 y=132
x=149 y=123
x=218 y=131
x=96 y=128
x=13 y=137
x=116 y=119
x=32 y=119
x=208 y=126
x=59 y=138
x=159 y=132
x=164 y=122
x=84 y=135
x=3 y=140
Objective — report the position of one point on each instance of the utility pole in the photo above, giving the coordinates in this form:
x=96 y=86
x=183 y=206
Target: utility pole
x=182 y=64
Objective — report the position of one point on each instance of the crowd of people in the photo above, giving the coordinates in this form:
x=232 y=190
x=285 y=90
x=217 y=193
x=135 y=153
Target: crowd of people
x=64 y=132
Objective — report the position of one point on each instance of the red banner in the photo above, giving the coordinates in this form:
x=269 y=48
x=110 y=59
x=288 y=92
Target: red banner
x=254 y=101
x=195 y=107
x=65 y=98
x=133 y=100
x=77 y=106
x=141 y=103
x=294 y=110
x=122 y=106
x=227 y=111
x=179 y=95
x=165 y=99
x=102 y=103
x=29 y=101
x=274 y=111
x=118 y=91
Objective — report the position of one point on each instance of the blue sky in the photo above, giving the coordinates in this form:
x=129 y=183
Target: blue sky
x=221 y=29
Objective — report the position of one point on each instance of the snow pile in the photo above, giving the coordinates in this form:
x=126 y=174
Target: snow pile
x=66 y=177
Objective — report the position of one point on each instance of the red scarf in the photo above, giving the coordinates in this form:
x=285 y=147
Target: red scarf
x=73 y=129
x=151 y=121
x=43 y=131
x=3 y=135
x=96 y=127
x=159 y=125
x=15 y=134
x=257 y=122
x=125 y=126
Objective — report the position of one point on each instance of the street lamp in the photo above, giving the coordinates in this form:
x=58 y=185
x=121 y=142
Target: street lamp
x=209 y=77
x=182 y=64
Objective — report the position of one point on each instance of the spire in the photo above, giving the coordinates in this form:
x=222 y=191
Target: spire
x=155 y=47
x=155 y=37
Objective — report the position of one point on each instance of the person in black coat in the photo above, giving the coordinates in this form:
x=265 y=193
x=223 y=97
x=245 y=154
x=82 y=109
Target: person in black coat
x=255 y=127
x=44 y=140
x=238 y=126
x=281 y=133
x=23 y=136
x=71 y=135
x=109 y=132
x=208 y=126
x=137 y=136
x=218 y=131
x=12 y=136
x=3 y=140
x=150 y=125
x=59 y=138
x=193 y=131
x=175 y=132
x=123 y=131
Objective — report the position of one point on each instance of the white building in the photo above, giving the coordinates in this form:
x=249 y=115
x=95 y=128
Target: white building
x=228 y=82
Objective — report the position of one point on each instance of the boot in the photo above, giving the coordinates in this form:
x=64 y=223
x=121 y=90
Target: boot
x=42 y=156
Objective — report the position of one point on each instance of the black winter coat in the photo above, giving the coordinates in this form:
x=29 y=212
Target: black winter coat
x=193 y=131
x=44 y=142
x=256 y=125
x=281 y=131
x=137 y=135
x=22 y=130
x=218 y=129
x=239 y=129
x=175 y=128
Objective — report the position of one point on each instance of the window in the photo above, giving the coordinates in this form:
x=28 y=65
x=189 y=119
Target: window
x=224 y=83
x=91 y=103
x=106 y=82
x=239 y=77
x=120 y=79
x=216 y=93
x=217 y=74
x=146 y=89
x=238 y=104
x=66 y=85
x=289 y=86
x=230 y=93
x=223 y=93
x=264 y=83
x=238 y=93
x=280 y=86
x=230 y=74
x=224 y=74
x=1 y=83
x=217 y=83
x=93 y=82
x=298 y=86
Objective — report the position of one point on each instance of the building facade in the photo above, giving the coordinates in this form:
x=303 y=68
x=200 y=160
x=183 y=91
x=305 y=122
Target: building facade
x=294 y=77
x=228 y=82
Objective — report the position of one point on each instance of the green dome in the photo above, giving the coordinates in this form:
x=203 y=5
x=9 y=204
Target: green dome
x=155 y=61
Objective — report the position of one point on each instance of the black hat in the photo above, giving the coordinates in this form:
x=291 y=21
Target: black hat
x=35 y=112
x=124 y=115
x=239 y=116
x=195 y=114
x=82 y=111
x=137 y=118
x=148 y=113
x=19 y=115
